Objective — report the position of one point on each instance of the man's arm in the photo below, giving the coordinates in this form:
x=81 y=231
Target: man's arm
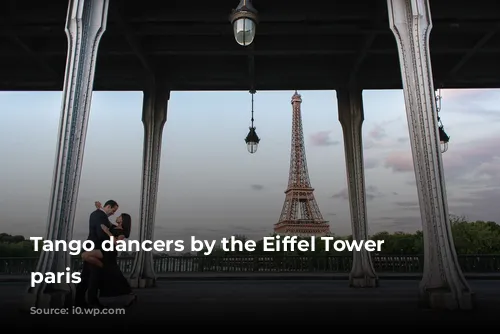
x=116 y=239
x=98 y=219
x=101 y=222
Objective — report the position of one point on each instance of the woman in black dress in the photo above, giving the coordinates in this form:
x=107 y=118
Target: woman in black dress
x=112 y=281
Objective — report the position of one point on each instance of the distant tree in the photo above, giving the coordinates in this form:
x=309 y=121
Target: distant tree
x=16 y=246
x=400 y=242
x=477 y=237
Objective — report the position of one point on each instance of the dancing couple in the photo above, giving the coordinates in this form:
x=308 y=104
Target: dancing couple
x=101 y=274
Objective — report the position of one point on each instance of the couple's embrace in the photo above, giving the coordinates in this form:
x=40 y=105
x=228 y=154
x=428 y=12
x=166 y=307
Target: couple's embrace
x=101 y=274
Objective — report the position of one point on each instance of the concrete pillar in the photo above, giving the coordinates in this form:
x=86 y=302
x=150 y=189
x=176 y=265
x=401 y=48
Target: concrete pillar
x=154 y=116
x=443 y=284
x=351 y=116
x=85 y=24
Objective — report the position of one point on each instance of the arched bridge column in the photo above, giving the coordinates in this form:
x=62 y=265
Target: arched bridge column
x=85 y=24
x=351 y=116
x=154 y=116
x=443 y=284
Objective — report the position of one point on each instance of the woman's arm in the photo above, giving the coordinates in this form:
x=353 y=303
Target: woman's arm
x=116 y=239
x=106 y=230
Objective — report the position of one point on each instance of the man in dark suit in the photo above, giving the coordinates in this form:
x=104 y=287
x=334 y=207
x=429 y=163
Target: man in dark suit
x=90 y=274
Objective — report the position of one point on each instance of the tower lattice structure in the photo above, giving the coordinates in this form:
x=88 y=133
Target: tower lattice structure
x=300 y=215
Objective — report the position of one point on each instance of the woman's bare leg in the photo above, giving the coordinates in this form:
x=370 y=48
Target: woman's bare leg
x=95 y=253
x=93 y=257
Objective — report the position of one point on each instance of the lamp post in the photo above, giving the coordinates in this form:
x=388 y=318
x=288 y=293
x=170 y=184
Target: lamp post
x=252 y=139
x=244 y=20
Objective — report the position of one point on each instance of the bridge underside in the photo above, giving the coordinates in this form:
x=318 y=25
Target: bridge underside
x=299 y=45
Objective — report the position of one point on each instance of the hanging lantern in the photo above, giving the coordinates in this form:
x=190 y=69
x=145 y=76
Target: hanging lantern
x=244 y=21
x=252 y=139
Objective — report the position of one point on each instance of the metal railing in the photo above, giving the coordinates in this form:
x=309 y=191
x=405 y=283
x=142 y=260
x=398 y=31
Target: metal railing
x=270 y=264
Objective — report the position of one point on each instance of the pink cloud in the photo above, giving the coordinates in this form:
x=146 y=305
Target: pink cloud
x=461 y=159
x=461 y=96
x=490 y=169
x=377 y=136
x=322 y=138
x=378 y=132
x=402 y=161
x=399 y=161
x=459 y=93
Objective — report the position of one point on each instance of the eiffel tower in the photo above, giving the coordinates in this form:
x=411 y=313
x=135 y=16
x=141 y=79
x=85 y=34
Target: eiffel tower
x=300 y=215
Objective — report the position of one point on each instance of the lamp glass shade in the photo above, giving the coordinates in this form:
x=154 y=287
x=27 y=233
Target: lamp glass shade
x=244 y=31
x=252 y=147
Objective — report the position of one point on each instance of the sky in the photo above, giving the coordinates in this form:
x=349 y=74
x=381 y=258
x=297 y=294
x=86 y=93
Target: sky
x=211 y=187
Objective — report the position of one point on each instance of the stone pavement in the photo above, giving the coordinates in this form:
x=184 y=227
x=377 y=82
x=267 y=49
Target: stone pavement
x=225 y=305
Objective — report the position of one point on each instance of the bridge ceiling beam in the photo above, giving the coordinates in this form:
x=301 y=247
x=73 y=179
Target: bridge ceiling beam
x=307 y=28
x=265 y=46
x=379 y=13
x=8 y=17
x=192 y=42
x=132 y=40
x=480 y=44
x=276 y=11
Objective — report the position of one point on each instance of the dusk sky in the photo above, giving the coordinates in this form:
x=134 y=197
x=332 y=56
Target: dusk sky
x=211 y=187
